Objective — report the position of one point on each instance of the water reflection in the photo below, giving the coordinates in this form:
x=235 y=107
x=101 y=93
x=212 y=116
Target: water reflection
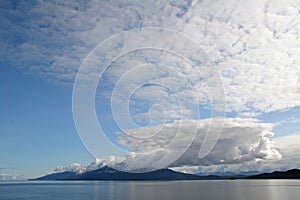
x=166 y=190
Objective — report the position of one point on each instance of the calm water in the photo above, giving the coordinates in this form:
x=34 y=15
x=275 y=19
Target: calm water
x=159 y=190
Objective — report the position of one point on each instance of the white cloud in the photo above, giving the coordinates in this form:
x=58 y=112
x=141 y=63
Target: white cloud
x=233 y=153
x=257 y=50
x=254 y=43
x=8 y=177
x=241 y=140
x=73 y=167
x=96 y=164
x=288 y=146
x=55 y=36
x=244 y=145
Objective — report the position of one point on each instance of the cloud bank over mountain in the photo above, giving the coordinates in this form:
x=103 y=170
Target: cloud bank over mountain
x=242 y=142
x=288 y=146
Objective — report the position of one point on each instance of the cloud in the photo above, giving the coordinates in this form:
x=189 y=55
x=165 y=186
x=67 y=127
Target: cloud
x=241 y=140
x=73 y=167
x=255 y=47
x=52 y=37
x=288 y=146
x=159 y=87
x=244 y=145
x=254 y=44
x=7 y=177
x=282 y=153
x=96 y=164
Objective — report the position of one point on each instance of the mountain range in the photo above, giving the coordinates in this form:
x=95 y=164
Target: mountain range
x=110 y=174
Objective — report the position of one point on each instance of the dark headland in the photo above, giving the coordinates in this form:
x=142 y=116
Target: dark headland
x=289 y=174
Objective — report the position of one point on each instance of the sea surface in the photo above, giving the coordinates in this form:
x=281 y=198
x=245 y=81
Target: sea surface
x=158 y=190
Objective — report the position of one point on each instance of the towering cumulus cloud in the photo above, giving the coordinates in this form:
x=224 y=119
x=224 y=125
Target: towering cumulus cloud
x=243 y=144
x=241 y=140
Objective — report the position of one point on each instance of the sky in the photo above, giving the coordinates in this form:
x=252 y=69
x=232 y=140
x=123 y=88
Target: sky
x=198 y=86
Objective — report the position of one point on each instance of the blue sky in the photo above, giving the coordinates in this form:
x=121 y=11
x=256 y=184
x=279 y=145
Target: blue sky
x=253 y=69
x=34 y=142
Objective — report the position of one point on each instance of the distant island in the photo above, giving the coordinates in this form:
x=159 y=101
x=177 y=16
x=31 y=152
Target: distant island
x=109 y=174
